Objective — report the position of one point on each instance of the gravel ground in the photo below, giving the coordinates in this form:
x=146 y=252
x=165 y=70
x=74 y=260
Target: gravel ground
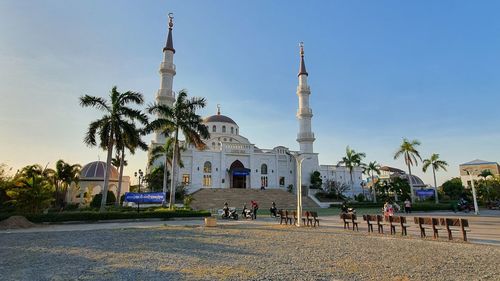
x=240 y=252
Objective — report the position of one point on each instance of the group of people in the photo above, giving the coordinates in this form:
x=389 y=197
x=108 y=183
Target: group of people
x=392 y=207
x=251 y=213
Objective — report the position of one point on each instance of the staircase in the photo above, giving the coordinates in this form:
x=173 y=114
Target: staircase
x=214 y=198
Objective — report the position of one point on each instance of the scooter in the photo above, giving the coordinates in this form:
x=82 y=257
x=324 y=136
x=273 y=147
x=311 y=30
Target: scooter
x=247 y=214
x=230 y=215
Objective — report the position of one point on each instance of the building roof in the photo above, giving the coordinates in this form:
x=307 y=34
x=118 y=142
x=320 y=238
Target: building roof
x=392 y=170
x=219 y=118
x=478 y=162
x=96 y=170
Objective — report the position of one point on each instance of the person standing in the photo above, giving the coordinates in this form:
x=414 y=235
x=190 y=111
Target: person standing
x=407 y=206
x=255 y=207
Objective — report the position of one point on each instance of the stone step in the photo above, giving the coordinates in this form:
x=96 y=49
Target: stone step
x=214 y=198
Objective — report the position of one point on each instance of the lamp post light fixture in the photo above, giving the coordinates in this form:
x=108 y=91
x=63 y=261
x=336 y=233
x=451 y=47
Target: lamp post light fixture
x=141 y=176
x=474 y=197
x=299 y=158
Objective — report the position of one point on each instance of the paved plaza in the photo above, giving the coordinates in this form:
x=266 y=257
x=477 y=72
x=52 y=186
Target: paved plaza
x=243 y=250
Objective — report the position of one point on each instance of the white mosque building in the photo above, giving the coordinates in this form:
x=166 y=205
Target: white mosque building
x=233 y=161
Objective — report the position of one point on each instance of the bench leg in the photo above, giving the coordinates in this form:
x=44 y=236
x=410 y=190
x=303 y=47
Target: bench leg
x=422 y=232
x=380 y=229
x=450 y=236
x=464 y=233
x=393 y=230
x=370 y=228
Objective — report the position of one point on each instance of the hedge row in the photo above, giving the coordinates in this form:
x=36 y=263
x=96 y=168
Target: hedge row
x=415 y=207
x=96 y=216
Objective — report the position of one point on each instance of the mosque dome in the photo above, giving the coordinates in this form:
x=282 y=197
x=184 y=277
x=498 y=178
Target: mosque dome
x=96 y=170
x=219 y=118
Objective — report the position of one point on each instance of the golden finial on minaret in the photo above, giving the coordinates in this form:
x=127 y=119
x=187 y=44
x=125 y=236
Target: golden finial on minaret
x=218 y=109
x=301 y=45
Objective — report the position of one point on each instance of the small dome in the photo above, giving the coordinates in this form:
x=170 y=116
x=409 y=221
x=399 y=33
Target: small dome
x=219 y=118
x=96 y=170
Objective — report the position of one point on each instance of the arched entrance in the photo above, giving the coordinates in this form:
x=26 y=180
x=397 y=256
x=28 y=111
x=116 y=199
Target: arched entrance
x=238 y=174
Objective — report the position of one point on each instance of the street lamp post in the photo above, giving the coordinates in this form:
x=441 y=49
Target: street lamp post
x=141 y=176
x=299 y=158
x=476 y=209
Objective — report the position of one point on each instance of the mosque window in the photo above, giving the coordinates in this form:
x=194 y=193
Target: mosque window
x=282 y=181
x=225 y=139
x=232 y=130
x=207 y=167
x=185 y=179
x=214 y=129
x=236 y=130
x=263 y=169
x=223 y=129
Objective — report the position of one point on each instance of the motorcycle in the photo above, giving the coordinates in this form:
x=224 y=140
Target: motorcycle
x=465 y=206
x=247 y=214
x=231 y=214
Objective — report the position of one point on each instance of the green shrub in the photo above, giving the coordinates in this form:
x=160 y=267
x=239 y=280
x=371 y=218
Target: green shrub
x=112 y=215
x=96 y=201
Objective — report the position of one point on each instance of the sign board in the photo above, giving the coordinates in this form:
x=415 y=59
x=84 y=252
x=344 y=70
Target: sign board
x=147 y=197
x=425 y=192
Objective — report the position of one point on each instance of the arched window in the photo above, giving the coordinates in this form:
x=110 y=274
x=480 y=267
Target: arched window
x=236 y=130
x=263 y=169
x=207 y=167
x=232 y=130
x=214 y=129
x=223 y=129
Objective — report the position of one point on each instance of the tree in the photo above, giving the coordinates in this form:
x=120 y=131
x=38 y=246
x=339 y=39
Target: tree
x=410 y=154
x=63 y=176
x=130 y=140
x=31 y=189
x=180 y=117
x=436 y=165
x=351 y=160
x=316 y=181
x=453 y=188
x=118 y=120
x=166 y=150
x=372 y=167
x=400 y=187
x=485 y=183
x=155 y=178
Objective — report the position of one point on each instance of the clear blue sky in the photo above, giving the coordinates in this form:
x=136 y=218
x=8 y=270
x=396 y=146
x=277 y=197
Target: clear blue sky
x=379 y=71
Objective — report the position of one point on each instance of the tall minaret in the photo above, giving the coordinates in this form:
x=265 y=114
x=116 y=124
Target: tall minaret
x=165 y=94
x=305 y=137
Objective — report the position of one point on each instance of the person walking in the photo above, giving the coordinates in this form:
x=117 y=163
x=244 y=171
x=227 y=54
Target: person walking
x=255 y=207
x=407 y=206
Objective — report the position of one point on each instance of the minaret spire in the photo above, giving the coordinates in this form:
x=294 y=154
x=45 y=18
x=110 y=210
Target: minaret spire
x=165 y=94
x=305 y=137
x=302 y=67
x=170 y=41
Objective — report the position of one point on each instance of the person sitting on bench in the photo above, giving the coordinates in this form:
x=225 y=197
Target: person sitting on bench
x=273 y=210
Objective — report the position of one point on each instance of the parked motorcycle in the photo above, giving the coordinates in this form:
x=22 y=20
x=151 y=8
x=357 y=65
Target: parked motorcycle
x=230 y=214
x=465 y=206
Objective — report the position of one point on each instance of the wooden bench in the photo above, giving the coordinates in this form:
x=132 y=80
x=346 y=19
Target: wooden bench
x=348 y=219
x=455 y=225
x=398 y=221
x=371 y=219
x=284 y=216
x=307 y=219
x=314 y=218
x=428 y=223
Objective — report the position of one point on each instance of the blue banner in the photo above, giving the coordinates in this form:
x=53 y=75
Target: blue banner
x=148 y=197
x=425 y=192
x=240 y=173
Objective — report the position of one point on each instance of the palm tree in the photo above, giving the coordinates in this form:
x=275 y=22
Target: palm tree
x=436 y=165
x=485 y=174
x=373 y=167
x=351 y=160
x=166 y=150
x=410 y=153
x=180 y=117
x=131 y=141
x=118 y=120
